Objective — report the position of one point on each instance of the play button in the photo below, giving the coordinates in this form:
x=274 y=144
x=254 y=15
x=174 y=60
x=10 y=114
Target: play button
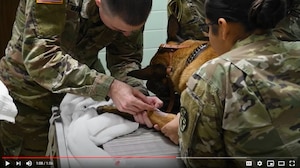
x=7 y=163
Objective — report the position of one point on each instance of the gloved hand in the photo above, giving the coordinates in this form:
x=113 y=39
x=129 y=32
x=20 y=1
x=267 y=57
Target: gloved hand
x=8 y=110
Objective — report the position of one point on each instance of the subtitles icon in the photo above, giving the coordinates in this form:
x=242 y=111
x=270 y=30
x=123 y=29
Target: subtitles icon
x=248 y=163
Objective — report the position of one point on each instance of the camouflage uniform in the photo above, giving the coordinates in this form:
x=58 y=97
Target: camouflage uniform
x=54 y=50
x=191 y=14
x=244 y=103
x=289 y=28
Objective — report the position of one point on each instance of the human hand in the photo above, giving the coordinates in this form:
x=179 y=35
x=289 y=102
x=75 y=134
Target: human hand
x=143 y=118
x=154 y=101
x=170 y=130
x=130 y=100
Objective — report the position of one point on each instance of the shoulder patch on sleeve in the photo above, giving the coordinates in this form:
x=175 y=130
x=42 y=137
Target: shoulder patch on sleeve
x=183 y=120
x=50 y=1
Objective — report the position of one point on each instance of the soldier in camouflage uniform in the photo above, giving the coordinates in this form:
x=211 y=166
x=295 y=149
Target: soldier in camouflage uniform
x=246 y=102
x=54 y=50
x=190 y=14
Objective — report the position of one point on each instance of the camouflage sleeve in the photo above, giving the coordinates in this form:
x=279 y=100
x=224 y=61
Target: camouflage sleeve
x=288 y=29
x=45 y=62
x=200 y=131
x=190 y=14
x=124 y=55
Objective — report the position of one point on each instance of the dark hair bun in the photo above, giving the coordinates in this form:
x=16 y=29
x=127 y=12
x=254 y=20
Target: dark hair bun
x=265 y=14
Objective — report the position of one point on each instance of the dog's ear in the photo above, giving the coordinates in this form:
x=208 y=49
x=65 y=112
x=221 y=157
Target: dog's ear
x=173 y=29
x=151 y=72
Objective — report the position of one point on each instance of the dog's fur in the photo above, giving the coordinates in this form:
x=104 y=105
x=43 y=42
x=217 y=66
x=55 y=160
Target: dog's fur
x=170 y=64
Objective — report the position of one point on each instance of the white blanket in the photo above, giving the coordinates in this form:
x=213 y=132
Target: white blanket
x=8 y=110
x=85 y=130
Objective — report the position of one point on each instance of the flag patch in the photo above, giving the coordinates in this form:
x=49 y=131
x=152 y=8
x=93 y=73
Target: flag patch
x=50 y=1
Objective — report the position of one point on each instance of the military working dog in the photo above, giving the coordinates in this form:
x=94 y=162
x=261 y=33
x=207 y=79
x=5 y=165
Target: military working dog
x=172 y=65
x=168 y=72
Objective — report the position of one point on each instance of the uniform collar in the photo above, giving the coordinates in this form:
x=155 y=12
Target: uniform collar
x=254 y=38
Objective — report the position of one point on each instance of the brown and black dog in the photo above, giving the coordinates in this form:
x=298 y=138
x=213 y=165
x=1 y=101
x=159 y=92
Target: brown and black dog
x=172 y=65
x=169 y=71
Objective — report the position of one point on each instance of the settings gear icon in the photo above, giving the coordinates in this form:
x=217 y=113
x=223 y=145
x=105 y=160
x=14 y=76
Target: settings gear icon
x=259 y=163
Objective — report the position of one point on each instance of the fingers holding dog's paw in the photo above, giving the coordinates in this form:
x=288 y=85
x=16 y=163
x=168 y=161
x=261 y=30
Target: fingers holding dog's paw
x=143 y=118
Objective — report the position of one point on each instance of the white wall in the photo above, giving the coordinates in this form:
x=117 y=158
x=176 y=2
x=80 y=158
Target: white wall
x=155 y=31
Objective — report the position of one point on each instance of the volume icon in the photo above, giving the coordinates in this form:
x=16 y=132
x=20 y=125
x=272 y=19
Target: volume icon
x=29 y=163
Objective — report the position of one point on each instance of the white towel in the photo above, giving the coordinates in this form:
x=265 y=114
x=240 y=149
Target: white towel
x=8 y=109
x=85 y=130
